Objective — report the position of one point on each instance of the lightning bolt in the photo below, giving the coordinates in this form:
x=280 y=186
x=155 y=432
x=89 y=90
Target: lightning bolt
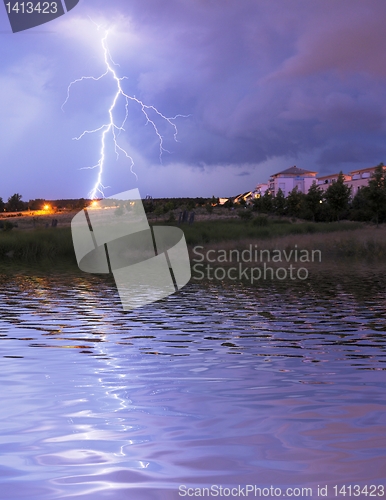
x=111 y=127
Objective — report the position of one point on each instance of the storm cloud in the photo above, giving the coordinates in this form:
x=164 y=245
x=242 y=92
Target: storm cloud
x=263 y=85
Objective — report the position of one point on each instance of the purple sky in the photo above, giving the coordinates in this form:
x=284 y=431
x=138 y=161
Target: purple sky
x=267 y=85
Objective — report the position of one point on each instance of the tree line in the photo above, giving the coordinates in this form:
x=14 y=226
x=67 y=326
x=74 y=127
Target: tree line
x=335 y=203
x=15 y=203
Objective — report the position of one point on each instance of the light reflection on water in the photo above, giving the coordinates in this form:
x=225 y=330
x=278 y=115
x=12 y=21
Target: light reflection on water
x=281 y=386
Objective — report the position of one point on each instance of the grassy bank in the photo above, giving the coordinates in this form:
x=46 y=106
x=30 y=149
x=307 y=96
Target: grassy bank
x=362 y=244
x=260 y=228
x=34 y=245
x=334 y=240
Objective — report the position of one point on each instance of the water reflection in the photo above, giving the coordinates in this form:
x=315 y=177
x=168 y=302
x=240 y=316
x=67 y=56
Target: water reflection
x=275 y=385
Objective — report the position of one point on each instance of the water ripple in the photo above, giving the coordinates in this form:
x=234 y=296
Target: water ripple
x=213 y=385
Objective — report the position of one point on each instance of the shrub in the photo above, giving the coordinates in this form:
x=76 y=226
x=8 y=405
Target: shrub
x=169 y=206
x=159 y=210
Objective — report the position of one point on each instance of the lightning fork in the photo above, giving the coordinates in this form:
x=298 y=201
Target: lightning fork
x=112 y=127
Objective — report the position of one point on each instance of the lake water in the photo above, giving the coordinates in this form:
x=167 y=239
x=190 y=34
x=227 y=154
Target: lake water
x=230 y=386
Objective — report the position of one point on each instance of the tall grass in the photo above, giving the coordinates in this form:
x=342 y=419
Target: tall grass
x=365 y=245
x=37 y=244
x=236 y=230
x=341 y=239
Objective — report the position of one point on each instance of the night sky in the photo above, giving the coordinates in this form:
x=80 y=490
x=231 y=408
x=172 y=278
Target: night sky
x=265 y=84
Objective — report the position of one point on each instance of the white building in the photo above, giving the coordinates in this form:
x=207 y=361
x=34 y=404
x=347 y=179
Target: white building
x=291 y=178
x=360 y=178
x=356 y=179
x=326 y=180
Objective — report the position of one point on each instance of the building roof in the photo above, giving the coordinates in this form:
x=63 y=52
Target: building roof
x=243 y=195
x=329 y=176
x=368 y=169
x=295 y=171
x=333 y=176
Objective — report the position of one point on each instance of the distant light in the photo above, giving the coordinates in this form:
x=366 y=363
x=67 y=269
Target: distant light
x=46 y=207
x=94 y=203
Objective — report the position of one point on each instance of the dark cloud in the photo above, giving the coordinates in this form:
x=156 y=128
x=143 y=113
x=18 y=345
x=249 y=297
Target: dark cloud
x=259 y=80
x=346 y=153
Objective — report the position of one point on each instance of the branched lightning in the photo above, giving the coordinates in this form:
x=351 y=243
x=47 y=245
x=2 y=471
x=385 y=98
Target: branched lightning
x=111 y=127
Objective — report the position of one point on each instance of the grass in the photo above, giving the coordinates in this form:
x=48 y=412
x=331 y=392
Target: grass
x=366 y=244
x=237 y=230
x=335 y=240
x=52 y=244
x=334 y=257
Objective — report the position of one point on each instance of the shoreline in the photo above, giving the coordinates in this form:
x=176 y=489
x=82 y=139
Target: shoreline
x=352 y=262
x=222 y=243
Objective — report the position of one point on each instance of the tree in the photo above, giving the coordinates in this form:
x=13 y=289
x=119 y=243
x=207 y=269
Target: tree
x=338 y=196
x=37 y=204
x=279 y=203
x=14 y=203
x=313 y=199
x=81 y=203
x=257 y=204
x=159 y=210
x=266 y=202
x=148 y=205
x=169 y=205
x=376 y=192
x=2 y=205
x=360 y=206
x=295 y=200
